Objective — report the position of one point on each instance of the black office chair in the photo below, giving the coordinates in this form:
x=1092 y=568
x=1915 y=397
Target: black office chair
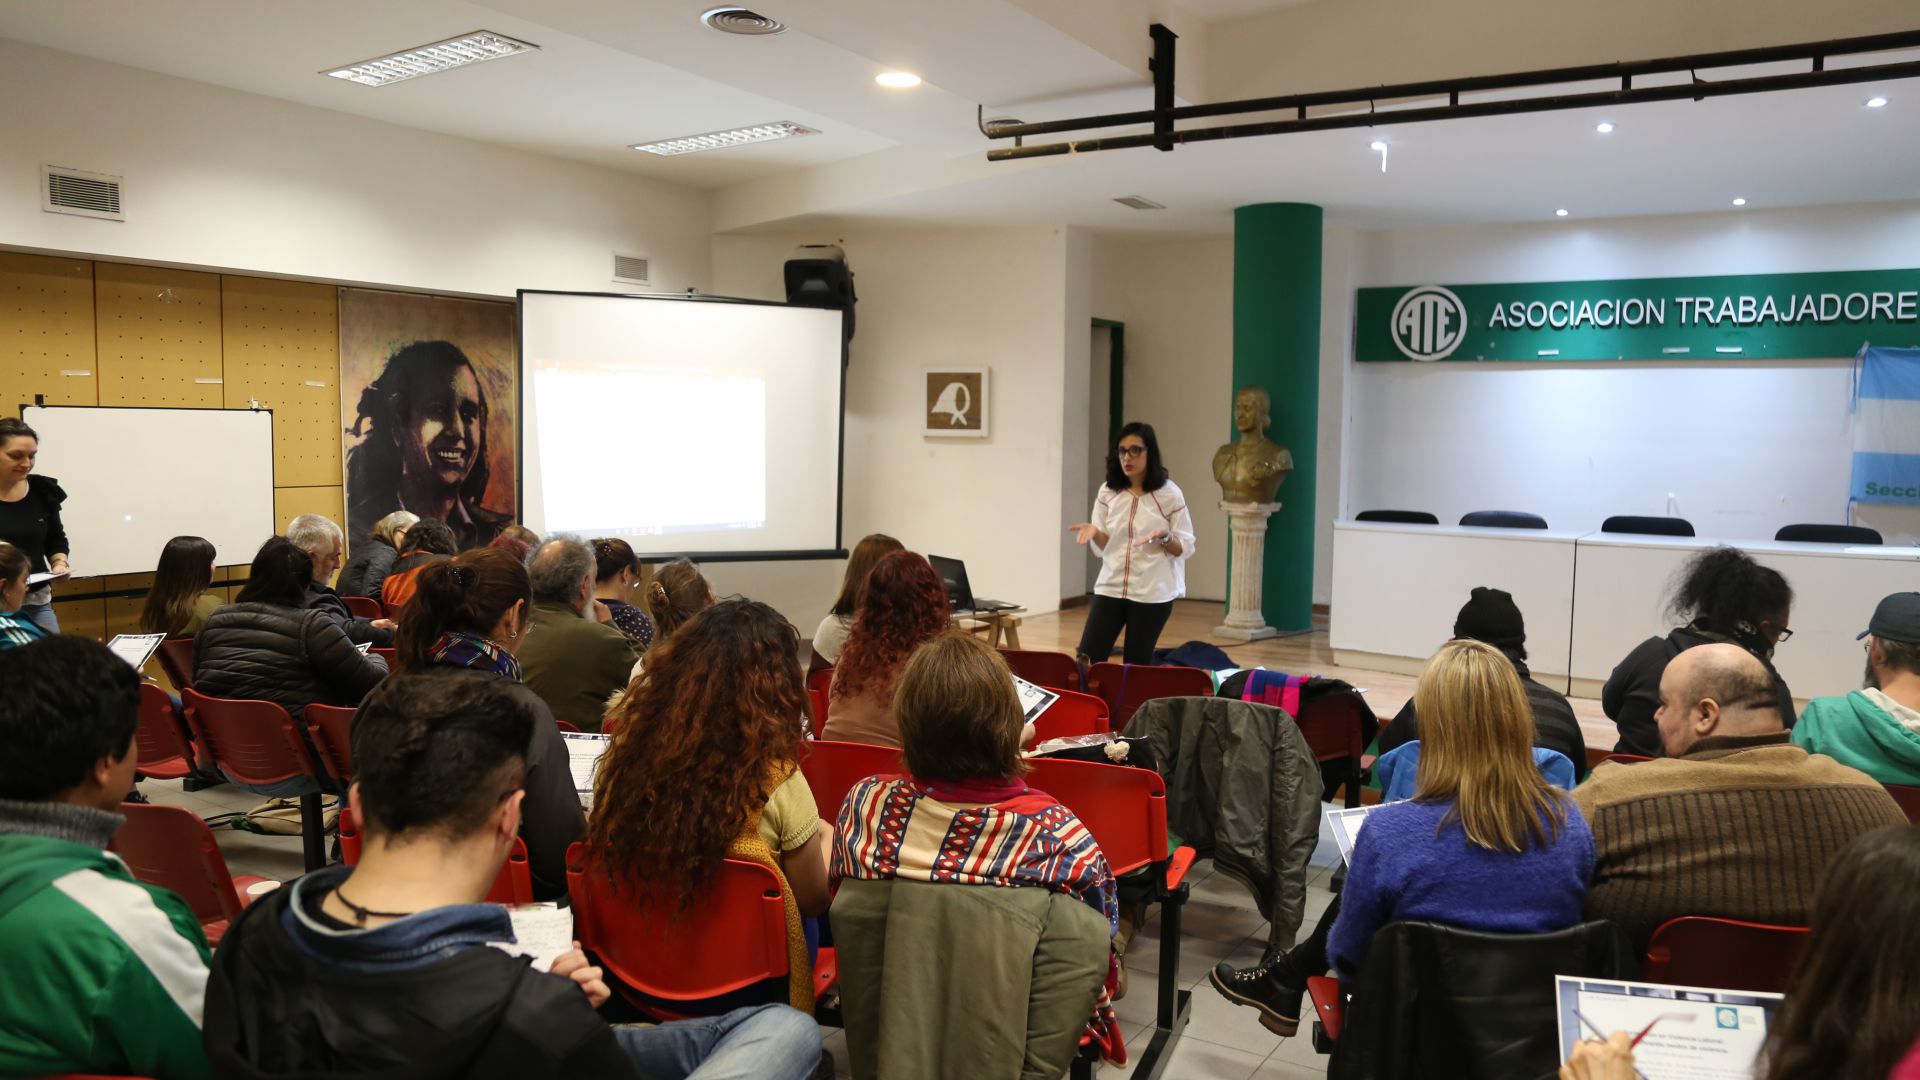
x=1829 y=534
x=1503 y=519
x=1398 y=517
x=1647 y=526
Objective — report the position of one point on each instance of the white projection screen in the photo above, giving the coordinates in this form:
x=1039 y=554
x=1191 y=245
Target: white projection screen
x=136 y=478
x=685 y=426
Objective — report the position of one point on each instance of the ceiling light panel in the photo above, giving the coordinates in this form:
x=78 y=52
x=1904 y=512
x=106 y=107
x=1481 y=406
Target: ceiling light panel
x=474 y=48
x=721 y=140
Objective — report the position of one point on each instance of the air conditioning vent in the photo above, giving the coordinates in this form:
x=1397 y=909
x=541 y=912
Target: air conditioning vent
x=631 y=269
x=1139 y=202
x=733 y=19
x=75 y=191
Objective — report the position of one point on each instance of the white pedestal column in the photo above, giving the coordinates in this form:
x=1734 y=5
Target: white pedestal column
x=1245 y=622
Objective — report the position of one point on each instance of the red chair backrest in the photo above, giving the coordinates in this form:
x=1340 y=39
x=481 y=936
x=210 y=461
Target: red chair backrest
x=732 y=936
x=1908 y=798
x=1072 y=714
x=171 y=847
x=391 y=656
x=364 y=607
x=1054 y=670
x=821 y=680
x=832 y=768
x=1725 y=954
x=819 y=703
x=1124 y=686
x=1332 y=725
x=513 y=885
x=332 y=729
x=1124 y=808
x=566 y=725
x=256 y=741
x=166 y=750
x=176 y=659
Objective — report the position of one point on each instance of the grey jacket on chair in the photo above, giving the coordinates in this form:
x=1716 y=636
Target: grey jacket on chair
x=1243 y=789
x=965 y=982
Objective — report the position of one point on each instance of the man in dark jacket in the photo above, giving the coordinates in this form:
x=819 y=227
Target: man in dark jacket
x=384 y=967
x=324 y=543
x=1490 y=615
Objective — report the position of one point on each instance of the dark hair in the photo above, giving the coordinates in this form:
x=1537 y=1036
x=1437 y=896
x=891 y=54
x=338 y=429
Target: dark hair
x=439 y=751
x=375 y=464
x=1156 y=468
x=612 y=555
x=433 y=536
x=1899 y=655
x=703 y=740
x=558 y=567
x=1725 y=591
x=14 y=428
x=678 y=592
x=14 y=563
x=69 y=702
x=185 y=571
x=853 y=585
x=960 y=717
x=906 y=605
x=470 y=592
x=280 y=575
x=1853 y=1005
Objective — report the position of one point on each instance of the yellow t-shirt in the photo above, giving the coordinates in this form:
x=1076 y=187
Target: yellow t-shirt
x=790 y=818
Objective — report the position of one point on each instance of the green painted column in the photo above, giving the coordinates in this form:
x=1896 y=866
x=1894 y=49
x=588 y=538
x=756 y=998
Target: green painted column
x=1276 y=346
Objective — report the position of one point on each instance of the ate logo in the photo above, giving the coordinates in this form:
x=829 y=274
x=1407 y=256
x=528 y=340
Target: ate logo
x=1429 y=323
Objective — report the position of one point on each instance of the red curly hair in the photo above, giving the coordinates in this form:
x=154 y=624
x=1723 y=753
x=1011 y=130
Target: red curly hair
x=906 y=606
x=703 y=737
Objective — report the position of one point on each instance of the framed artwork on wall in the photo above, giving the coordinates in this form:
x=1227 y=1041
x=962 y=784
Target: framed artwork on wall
x=956 y=403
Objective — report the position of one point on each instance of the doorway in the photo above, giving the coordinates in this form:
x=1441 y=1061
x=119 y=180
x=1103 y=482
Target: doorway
x=1105 y=407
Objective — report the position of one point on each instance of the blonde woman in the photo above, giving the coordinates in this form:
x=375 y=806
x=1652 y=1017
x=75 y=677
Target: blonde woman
x=1484 y=844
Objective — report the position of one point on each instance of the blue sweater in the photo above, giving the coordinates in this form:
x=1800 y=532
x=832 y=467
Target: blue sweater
x=1402 y=870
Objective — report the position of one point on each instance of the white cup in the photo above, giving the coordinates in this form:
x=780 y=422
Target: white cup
x=261 y=888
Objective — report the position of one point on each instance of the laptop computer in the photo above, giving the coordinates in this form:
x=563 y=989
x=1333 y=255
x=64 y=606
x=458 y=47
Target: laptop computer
x=953 y=573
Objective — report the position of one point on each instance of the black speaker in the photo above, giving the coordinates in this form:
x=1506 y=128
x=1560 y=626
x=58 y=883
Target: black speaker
x=817 y=276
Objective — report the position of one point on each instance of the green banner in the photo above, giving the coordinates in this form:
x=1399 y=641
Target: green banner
x=1763 y=316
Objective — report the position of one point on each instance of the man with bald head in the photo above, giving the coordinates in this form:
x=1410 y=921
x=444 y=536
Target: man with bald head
x=1736 y=821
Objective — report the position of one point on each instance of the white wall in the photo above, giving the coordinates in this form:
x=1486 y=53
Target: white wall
x=1737 y=447
x=220 y=179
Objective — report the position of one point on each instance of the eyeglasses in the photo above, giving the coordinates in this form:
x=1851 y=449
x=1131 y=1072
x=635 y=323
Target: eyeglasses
x=1785 y=634
x=1130 y=451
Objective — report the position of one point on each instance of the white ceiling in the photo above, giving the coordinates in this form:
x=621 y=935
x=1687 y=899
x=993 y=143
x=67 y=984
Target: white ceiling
x=1216 y=10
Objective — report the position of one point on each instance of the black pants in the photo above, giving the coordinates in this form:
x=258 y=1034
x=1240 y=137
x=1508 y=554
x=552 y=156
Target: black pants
x=1107 y=616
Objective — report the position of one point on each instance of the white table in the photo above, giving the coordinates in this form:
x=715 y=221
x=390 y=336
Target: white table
x=1398 y=588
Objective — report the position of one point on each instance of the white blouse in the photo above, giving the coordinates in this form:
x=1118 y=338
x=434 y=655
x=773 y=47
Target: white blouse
x=1147 y=574
x=831 y=636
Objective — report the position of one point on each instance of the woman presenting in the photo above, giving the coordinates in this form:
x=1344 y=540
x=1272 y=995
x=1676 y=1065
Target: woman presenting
x=30 y=516
x=1144 y=534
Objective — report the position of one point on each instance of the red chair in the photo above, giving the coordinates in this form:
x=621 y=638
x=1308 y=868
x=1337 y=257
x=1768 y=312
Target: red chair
x=566 y=725
x=821 y=680
x=364 y=607
x=832 y=768
x=392 y=610
x=171 y=847
x=176 y=659
x=1334 y=726
x=513 y=885
x=733 y=937
x=1124 y=686
x=1908 y=798
x=257 y=743
x=1724 y=954
x=1072 y=714
x=391 y=656
x=1054 y=670
x=166 y=748
x=1126 y=811
x=819 y=702
x=332 y=729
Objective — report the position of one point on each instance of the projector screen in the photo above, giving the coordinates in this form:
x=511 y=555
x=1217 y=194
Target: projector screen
x=128 y=492
x=684 y=426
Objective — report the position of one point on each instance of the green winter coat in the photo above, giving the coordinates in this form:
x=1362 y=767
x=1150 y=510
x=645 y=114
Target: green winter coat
x=102 y=973
x=1855 y=731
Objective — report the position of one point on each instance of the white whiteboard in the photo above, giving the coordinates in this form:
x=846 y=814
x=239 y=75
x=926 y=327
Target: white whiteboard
x=136 y=478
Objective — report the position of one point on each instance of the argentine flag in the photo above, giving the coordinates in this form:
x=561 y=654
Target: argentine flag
x=1886 y=427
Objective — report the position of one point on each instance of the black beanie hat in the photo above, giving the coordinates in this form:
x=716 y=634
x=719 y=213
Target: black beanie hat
x=1491 y=616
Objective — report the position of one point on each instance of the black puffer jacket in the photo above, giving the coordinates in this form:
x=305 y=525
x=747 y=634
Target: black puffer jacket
x=292 y=657
x=363 y=575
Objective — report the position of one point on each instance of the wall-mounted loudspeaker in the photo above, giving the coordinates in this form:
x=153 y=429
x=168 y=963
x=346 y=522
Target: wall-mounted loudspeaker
x=817 y=276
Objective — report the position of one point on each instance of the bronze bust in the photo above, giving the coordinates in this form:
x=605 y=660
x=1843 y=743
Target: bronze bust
x=1251 y=468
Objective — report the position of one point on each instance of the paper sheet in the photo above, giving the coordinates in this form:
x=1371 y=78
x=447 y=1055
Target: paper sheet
x=584 y=750
x=1034 y=700
x=135 y=648
x=1702 y=1034
x=542 y=931
x=34 y=581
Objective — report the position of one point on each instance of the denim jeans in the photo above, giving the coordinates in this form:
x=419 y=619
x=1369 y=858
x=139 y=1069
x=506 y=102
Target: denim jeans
x=42 y=614
x=770 y=1042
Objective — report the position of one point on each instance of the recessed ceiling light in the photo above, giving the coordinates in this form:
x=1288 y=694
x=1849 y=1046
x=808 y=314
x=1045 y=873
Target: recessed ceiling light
x=734 y=19
x=1604 y=127
x=1560 y=213
x=1739 y=201
x=897 y=80
x=1876 y=102
x=721 y=140
x=431 y=59
x=1378 y=145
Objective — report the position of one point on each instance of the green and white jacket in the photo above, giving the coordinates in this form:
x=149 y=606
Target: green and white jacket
x=102 y=973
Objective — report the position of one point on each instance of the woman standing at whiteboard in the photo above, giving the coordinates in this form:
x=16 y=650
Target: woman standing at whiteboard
x=30 y=516
x=1144 y=534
